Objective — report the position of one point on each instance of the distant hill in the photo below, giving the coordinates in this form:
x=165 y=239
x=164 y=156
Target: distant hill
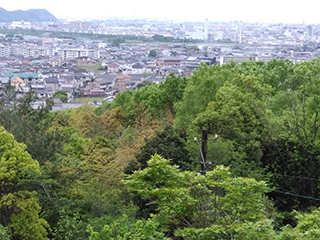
x=32 y=15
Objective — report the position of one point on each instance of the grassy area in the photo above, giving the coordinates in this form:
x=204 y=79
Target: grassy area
x=88 y=99
x=92 y=67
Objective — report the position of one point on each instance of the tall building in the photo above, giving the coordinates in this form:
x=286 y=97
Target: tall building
x=240 y=34
x=206 y=32
x=310 y=30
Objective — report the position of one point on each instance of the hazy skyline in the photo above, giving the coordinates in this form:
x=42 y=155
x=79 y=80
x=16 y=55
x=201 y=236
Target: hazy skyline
x=284 y=11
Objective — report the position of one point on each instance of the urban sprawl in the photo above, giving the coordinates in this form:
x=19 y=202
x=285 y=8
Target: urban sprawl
x=101 y=58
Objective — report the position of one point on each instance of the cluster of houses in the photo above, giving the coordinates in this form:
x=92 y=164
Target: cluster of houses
x=45 y=79
x=47 y=64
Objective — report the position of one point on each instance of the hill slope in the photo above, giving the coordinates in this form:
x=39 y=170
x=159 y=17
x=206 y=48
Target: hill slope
x=5 y=16
x=32 y=15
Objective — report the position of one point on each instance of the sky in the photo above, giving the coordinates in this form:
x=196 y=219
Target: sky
x=271 y=11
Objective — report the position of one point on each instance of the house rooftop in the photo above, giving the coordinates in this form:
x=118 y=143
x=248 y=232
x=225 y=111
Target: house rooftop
x=104 y=81
x=107 y=77
x=137 y=65
x=52 y=80
x=21 y=75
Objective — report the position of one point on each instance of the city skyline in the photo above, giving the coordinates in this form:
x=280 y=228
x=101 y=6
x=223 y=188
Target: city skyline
x=247 y=10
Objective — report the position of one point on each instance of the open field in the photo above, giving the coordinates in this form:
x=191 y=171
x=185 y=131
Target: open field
x=88 y=99
x=92 y=67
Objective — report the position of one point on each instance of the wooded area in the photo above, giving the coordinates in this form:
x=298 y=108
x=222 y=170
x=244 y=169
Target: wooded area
x=129 y=169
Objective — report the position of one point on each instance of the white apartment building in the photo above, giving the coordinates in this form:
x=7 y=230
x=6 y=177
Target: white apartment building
x=21 y=24
x=28 y=51
x=4 y=51
x=69 y=53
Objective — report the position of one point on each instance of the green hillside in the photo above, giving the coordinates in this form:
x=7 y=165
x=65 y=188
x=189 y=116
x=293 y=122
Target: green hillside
x=130 y=169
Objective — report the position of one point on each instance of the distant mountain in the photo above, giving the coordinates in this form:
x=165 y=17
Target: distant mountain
x=32 y=15
x=5 y=16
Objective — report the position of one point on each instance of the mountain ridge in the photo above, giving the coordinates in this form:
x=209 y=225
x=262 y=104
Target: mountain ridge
x=31 y=15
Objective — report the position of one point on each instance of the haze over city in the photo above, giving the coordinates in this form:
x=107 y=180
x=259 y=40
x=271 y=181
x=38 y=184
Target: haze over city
x=284 y=11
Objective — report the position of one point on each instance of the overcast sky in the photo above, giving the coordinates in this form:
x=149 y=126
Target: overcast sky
x=285 y=11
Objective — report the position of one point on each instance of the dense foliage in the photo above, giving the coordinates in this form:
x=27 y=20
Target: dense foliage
x=129 y=169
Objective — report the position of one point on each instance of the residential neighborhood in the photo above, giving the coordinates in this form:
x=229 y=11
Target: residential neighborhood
x=92 y=67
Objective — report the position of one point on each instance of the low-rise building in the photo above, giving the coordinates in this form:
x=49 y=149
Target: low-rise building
x=169 y=61
x=52 y=83
x=74 y=53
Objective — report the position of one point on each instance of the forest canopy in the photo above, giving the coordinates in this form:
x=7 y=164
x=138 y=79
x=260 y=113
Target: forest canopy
x=130 y=169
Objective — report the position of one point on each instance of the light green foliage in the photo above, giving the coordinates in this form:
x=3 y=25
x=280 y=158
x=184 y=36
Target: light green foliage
x=196 y=205
x=172 y=90
x=149 y=98
x=69 y=227
x=3 y=233
x=15 y=162
x=278 y=72
x=235 y=118
x=293 y=119
x=266 y=116
x=158 y=98
x=153 y=99
x=200 y=90
x=19 y=208
x=25 y=221
x=127 y=229
x=297 y=106
x=262 y=230
x=267 y=119
x=308 y=227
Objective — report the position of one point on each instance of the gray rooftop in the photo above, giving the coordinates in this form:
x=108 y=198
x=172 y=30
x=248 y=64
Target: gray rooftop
x=52 y=80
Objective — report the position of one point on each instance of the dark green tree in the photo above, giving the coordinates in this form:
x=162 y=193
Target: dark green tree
x=152 y=53
x=170 y=144
x=144 y=84
x=62 y=95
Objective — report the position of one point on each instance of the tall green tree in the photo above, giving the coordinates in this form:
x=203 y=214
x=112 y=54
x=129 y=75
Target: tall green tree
x=19 y=207
x=240 y=129
x=294 y=120
x=215 y=206
x=200 y=90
